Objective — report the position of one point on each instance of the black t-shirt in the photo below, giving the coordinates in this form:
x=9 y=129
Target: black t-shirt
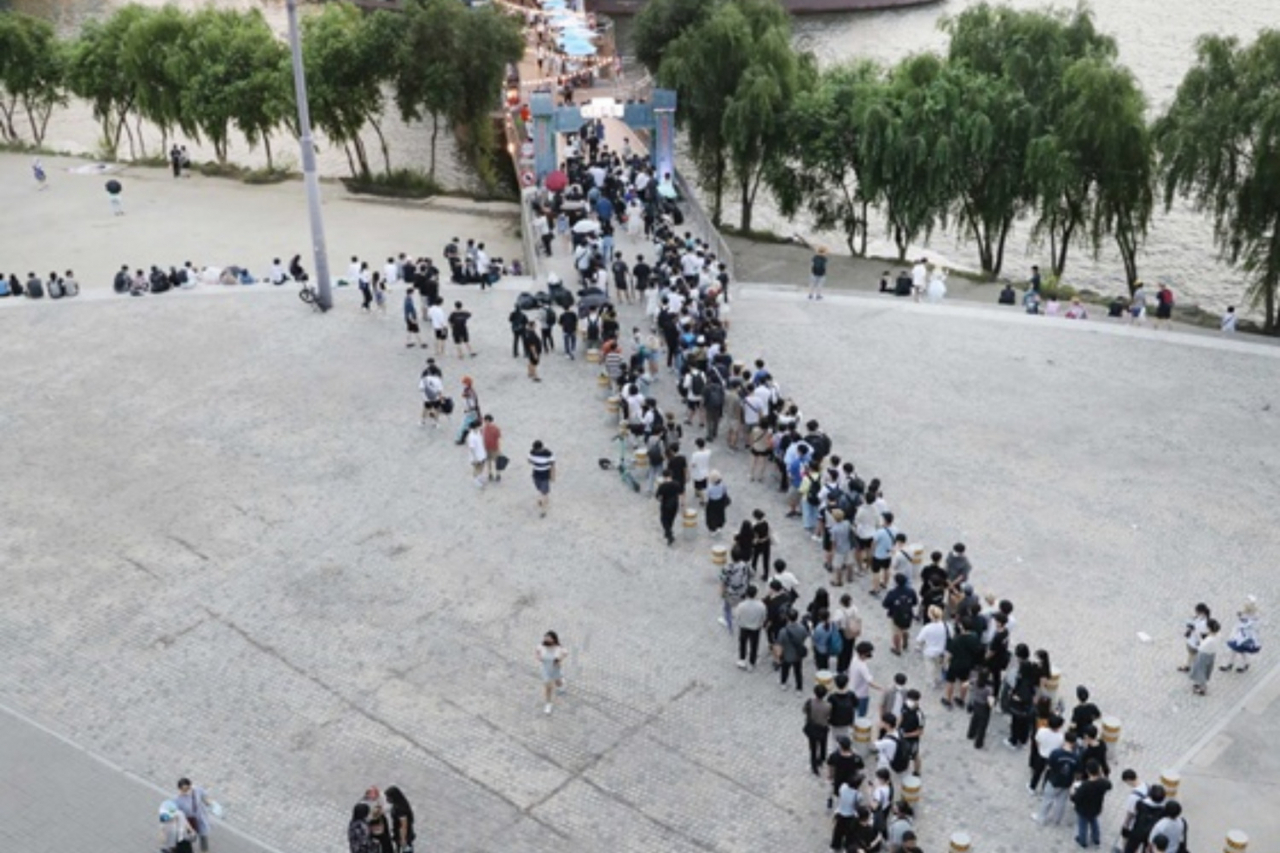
x=1084 y=715
x=1088 y=797
x=641 y=271
x=679 y=467
x=843 y=706
x=933 y=573
x=843 y=768
x=668 y=493
x=458 y=320
x=569 y=322
x=912 y=720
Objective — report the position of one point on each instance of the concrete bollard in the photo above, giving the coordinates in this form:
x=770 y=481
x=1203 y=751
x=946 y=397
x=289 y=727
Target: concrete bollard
x=603 y=380
x=690 y=518
x=1170 y=781
x=612 y=405
x=1110 y=730
x=642 y=458
x=719 y=555
x=911 y=790
x=960 y=842
x=862 y=731
x=593 y=356
x=1237 y=842
x=825 y=678
x=1051 y=683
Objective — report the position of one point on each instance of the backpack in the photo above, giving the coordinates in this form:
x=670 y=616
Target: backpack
x=814 y=491
x=901 y=756
x=446 y=405
x=1145 y=817
x=835 y=643
x=428 y=390
x=655 y=453
x=697 y=384
x=903 y=610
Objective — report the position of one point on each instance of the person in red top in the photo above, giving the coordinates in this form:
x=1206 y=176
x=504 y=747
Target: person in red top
x=1164 y=307
x=492 y=436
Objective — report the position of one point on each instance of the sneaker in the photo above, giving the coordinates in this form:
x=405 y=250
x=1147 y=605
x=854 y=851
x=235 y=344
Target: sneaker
x=1035 y=817
x=751 y=667
x=783 y=685
x=1031 y=789
x=1009 y=744
x=547 y=708
x=742 y=665
x=722 y=622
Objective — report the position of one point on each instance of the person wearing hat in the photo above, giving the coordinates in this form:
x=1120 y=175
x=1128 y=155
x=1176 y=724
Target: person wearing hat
x=1244 y=639
x=818 y=273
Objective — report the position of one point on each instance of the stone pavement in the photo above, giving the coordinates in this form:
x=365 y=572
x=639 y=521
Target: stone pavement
x=56 y=796
x=231 y=552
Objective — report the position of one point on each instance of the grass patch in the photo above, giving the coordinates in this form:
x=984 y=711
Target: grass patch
x=758 y=236
x=398 y=183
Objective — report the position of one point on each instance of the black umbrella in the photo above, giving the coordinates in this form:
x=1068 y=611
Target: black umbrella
x=113 y=186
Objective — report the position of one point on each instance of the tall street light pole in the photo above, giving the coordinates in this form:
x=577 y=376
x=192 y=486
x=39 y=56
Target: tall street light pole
x=324 y=294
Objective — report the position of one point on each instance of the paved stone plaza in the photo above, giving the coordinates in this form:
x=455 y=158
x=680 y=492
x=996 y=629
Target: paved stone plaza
x=232 y=553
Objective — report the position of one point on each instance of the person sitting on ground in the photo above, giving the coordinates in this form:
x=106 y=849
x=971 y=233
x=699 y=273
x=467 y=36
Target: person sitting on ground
x=1076 y=311
x=1008 y=296
x=276 y=275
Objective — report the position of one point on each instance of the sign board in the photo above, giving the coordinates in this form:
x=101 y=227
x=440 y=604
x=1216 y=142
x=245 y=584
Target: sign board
x=602 y=108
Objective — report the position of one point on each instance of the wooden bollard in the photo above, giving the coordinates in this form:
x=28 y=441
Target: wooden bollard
x=719 y=555
x=642 y=458
x=911 y=789
x=1051 y=683
x=1170 y=781
x=1110 y=730
x=1237 y=842
x=603 y=380
x=960 y=842
x=862 y=731
x=612 y=405
x=825 y=678
x=690 y=518
x=593 y=356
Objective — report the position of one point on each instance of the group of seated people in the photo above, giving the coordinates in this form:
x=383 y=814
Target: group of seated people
x=55 y=286
x=1034 y=303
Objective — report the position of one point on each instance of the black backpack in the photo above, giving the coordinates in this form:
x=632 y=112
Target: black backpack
x=1145 y=817
x=813 y=495
x=697 y=384
x=901 y=756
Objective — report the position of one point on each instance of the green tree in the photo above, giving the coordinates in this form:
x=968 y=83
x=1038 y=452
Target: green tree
x=660 y=23
x=156 y=57
x=1219 y=146
x=33 y=69
x=488 y=41
x=823 y=170
x=735 y=73
x=96 y=71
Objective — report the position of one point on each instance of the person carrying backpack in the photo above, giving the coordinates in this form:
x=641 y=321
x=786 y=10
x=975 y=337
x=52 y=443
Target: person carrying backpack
x=693 y=386
x=1063 y=765
x=900 y=603
x=1146 y=814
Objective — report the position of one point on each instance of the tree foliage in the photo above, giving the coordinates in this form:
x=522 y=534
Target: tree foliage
x=1219 y=146
x=32 y=74
x=660 y=23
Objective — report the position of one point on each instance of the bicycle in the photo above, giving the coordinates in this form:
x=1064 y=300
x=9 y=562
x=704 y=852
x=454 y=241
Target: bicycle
x=623 y=469
x=311 y=296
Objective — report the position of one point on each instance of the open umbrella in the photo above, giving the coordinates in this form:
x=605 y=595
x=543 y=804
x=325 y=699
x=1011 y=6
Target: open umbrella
x=557 y=180
x=113 y=186
x=586 y=226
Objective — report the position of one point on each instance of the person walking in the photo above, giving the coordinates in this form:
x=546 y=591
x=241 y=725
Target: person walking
x=432 y=388
x=1244 y=639
x=792 y=649
x=476 y=453
x=569 y=329
x=435 y=314
x=668 y=494
x=551 y=657
x=458 y=327
x=548 y=327
x=491 y=434
x=113 y=195
x=401 y=814
x=193 y=801
x=1087 y=799
x=1063 y=766
x=817 y=272
x=543 y=463
x=533 y=349
x=471 y=413
x=518 y=322
x=37 y=171
x=734 y=579
x=1202 y=666
x=750 y=615
x=981 y=700
x=817 y=713
x=412 y=333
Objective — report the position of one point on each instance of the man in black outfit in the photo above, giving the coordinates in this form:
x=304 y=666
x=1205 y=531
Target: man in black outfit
x=668 y=494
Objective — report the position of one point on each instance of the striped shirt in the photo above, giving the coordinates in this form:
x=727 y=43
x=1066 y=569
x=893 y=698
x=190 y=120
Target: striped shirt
x=541 y=461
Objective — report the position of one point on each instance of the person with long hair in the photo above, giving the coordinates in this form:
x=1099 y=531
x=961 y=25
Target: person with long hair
x=402 y=829
x=550 y=656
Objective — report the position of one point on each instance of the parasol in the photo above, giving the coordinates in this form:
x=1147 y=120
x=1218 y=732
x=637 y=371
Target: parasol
x=113 y=186
x=586 y=226
x=557 y=180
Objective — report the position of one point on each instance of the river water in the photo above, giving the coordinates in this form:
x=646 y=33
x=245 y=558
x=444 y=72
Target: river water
x=1155 y=37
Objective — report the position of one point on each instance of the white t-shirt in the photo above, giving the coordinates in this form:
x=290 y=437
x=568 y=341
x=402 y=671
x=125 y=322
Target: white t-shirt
x=475 y=444
x=437 y=317
x=700 y=464
x=919 y=273
x=1047 y=740
x=391 y=272
x=865 y=521
x=886 y=748
x=859 y=678
x=933 y=638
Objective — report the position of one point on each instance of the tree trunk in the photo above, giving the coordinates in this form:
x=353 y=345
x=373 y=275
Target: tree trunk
x=999 y=259
x=900 y=240
x=435 y=132
x=7 y=130
x=361 y=156
x=142 y=142
x=351 y=164
x=1060 y=255
x=266 y=146
x=718 y=190
x=862 y=249
x=382 y=141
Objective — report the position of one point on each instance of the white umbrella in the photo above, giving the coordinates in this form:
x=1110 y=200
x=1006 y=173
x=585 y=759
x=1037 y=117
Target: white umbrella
x=586 y=226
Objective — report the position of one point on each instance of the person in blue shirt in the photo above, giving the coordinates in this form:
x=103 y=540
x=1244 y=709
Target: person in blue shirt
x=881 y=554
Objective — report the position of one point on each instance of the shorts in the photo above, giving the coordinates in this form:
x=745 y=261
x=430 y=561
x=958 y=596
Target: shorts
x=431 y=405
x=761 y=453
x=411 y=325
x=955 y=674
x=1164 y=312
x=699 y=485
x=879 y=565
x=442 y=334
x=693 y=405
x=542 y=482
x=863 y=544
x=460 y=336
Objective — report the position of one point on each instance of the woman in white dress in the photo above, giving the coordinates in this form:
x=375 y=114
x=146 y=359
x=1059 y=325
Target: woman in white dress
x=550 y=656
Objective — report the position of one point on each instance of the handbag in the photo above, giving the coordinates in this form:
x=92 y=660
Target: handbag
x=501 y=462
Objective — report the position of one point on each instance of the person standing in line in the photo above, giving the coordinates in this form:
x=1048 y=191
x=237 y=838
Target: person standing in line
x=911 y=727
x=1063 y=767
x=1047 y=739
x=458 y=326
x=717 y=502
x=844 y=706
x=817 y=272
x=751 y=615
x=359 y=836
x=1135 y=793
x=519 y=322
x=817 y=713
x=1244 y=639
x=668 y=494
x=1202 y=667
x=761 y=543
x=491 y=433
x=548 y=328
x=402 y=831
x=476 y=453
x=551 y=657
x=700 y=470
x=932 y=639
x=860 y=680
x=882 y=554
x=965 y=653
x=850 y=623
x=194 y=803
x=981 y=700
x=569 y=328
x=543 y=463
x=844 y=767
x=1172 y=827
x=533 y=349
x=412 y=333
x=827 y=639
x=734 y=579
x=791 y=640
x=900 y=605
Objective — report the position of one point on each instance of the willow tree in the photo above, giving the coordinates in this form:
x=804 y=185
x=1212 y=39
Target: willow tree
x=32 y=74
x=156 y=55
x=661 y=22
x=1219 y=146
x=97 y=72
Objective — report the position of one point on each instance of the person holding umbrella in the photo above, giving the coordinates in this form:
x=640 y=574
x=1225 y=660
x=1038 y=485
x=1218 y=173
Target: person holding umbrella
x=113 y=194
